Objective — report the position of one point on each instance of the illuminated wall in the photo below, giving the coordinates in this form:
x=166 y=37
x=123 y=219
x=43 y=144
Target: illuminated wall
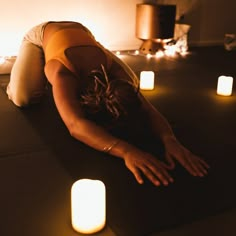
x=113 y=21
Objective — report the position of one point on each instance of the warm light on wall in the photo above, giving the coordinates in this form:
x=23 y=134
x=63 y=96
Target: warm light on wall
x=10 y=43
x=225 y=85
x=88 y=206
x=6 y=63
x=147 y=80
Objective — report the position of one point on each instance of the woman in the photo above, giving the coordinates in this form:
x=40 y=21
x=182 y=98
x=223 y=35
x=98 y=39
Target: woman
x=96 y=94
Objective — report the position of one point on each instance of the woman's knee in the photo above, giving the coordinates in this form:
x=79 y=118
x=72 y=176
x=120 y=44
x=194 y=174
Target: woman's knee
x=27 y=81
x=22 y=98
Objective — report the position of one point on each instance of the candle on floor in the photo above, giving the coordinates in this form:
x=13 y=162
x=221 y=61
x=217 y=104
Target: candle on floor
x=88 y=206
x=147 y=80
x=225 y=85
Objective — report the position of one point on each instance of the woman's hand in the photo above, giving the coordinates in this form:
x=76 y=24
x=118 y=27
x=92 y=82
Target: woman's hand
x=142 y=163
x=192 y=163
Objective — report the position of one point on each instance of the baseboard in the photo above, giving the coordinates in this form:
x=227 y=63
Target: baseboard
x=206 y=43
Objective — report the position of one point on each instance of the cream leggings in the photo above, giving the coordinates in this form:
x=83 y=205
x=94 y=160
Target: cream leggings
x=27 y=81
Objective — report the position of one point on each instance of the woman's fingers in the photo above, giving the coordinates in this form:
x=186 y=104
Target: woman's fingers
x=204 y=163
x=136 y=174
x=171 y=163
x=159 y=171
x=201 y=166
x=153 y=172
x=193 y=164
x=154 y=176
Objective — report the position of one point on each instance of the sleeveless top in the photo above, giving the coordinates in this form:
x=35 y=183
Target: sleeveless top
x=64 y=39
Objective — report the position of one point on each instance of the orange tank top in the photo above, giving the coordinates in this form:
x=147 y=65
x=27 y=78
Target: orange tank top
x=66 y=38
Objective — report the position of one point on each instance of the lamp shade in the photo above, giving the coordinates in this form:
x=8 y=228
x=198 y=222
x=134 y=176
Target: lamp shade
x=88 y=206
x=155 y=21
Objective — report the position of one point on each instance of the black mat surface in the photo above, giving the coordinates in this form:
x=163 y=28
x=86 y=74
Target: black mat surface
x=36 y=148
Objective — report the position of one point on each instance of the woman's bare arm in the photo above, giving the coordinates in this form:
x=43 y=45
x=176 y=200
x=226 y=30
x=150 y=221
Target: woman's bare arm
x=174 y=149
x=65 y=87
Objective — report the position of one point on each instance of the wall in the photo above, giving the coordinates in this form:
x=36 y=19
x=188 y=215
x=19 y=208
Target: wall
x=210 y=21
x=113 y=21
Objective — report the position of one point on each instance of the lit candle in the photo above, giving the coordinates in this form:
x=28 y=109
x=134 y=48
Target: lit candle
x=88 y=206
x=225 y=85
x=147 y=80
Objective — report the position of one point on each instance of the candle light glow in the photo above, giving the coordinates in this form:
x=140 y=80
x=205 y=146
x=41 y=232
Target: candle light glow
x=88 y=206
x=225 y=85
x=147 y=80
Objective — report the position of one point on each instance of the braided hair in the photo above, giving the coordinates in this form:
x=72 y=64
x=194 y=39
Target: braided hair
x=107 y=99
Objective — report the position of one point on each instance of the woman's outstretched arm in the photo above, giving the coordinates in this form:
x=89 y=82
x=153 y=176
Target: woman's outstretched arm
x=174 y=149
x=65 y=87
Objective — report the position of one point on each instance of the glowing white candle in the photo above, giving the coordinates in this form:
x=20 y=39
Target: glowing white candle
x=225 y=85
x=88 y=206
x=147 y=80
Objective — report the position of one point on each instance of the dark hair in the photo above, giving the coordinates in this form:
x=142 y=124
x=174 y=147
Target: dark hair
x=109 y=99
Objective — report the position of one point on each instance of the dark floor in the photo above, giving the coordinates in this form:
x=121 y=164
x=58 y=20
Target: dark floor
x=39 y=161
x=193 y=79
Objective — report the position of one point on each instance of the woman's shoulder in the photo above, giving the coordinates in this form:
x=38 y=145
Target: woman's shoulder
x=120 y=70
x=55 y=70
x=53 y=26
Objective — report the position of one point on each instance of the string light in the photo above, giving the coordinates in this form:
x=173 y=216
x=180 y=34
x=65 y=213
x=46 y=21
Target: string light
x=2 y=60
x=170 y=50
x=159 y=54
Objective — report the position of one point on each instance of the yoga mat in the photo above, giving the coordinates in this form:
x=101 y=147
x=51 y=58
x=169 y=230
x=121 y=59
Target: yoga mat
x=201 y=120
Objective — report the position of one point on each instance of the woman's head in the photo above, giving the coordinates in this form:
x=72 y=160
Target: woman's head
x=109 y=99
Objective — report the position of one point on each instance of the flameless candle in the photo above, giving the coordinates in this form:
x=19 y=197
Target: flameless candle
x=225 y=85
x=88 y=206
x=147 y=80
